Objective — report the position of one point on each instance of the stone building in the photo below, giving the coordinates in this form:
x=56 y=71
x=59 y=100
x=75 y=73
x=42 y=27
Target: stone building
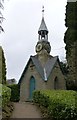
x=42 y=70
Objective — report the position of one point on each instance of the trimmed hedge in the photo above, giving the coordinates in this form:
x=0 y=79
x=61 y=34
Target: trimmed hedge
x=60 y=104
x=15 y=92
x=5 y=94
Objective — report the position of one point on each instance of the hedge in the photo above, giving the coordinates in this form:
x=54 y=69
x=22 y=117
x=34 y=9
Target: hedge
x=5 y=94
x=60 y=104
x=15 y=92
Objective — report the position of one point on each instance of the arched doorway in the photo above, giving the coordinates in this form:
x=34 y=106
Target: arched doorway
x=56 y=86
x=32 y=87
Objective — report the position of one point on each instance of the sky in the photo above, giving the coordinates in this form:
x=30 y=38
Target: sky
x=21 y=24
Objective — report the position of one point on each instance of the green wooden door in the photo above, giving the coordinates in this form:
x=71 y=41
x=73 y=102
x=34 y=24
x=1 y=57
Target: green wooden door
x=32 y=86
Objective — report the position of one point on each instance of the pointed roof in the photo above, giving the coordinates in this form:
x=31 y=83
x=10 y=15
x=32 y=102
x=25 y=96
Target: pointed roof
x=43 y=71
x=43 y=26
x=48 y=66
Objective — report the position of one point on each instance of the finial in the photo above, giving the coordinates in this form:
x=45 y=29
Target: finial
x=42 y=11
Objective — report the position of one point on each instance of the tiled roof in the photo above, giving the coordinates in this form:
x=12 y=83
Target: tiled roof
x=38 y=65
x=43 y=26
x=43 y=71
x=48 y=66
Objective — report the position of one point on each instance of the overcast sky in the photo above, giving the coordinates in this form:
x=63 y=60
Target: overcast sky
x=22 y=20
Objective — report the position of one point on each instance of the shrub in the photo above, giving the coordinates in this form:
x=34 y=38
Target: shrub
x=71 y=85
x=14 y=92
x=60 y=104
x=5 y=94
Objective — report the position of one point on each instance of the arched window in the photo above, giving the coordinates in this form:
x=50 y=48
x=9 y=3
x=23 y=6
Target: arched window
x=56 y=86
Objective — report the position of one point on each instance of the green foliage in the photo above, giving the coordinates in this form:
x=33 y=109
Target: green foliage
x=70 y=22
x=71 y=35
x=64 y=68
x=71 y=17
x=5 y=94
x=2 y=67
x=71 y=85
x=0 y=64
x=60 y=104
x=0 y=95
x=15 y=92
x=70 y=39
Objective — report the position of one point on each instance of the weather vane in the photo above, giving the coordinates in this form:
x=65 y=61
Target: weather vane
x=43 y=11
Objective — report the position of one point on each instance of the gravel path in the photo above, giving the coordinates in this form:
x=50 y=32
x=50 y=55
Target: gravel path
x=26 y=110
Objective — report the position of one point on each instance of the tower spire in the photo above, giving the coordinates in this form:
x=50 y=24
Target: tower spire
x=43 y=31
x=42 y=11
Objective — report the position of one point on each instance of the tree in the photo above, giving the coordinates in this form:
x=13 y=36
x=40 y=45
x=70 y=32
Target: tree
x=1 y=16
x=70 y=39
x=2 y=67
x=64 y=68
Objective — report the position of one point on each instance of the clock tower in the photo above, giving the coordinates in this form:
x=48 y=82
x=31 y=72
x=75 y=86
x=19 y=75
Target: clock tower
x=43 y=47
x=43 y=44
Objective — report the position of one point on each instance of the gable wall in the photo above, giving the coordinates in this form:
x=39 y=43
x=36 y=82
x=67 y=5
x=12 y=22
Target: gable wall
x=56 y=72
x=24 y=87
x=40 y=83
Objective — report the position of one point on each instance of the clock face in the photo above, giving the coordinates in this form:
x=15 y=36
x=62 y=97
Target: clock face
x=38 y=47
